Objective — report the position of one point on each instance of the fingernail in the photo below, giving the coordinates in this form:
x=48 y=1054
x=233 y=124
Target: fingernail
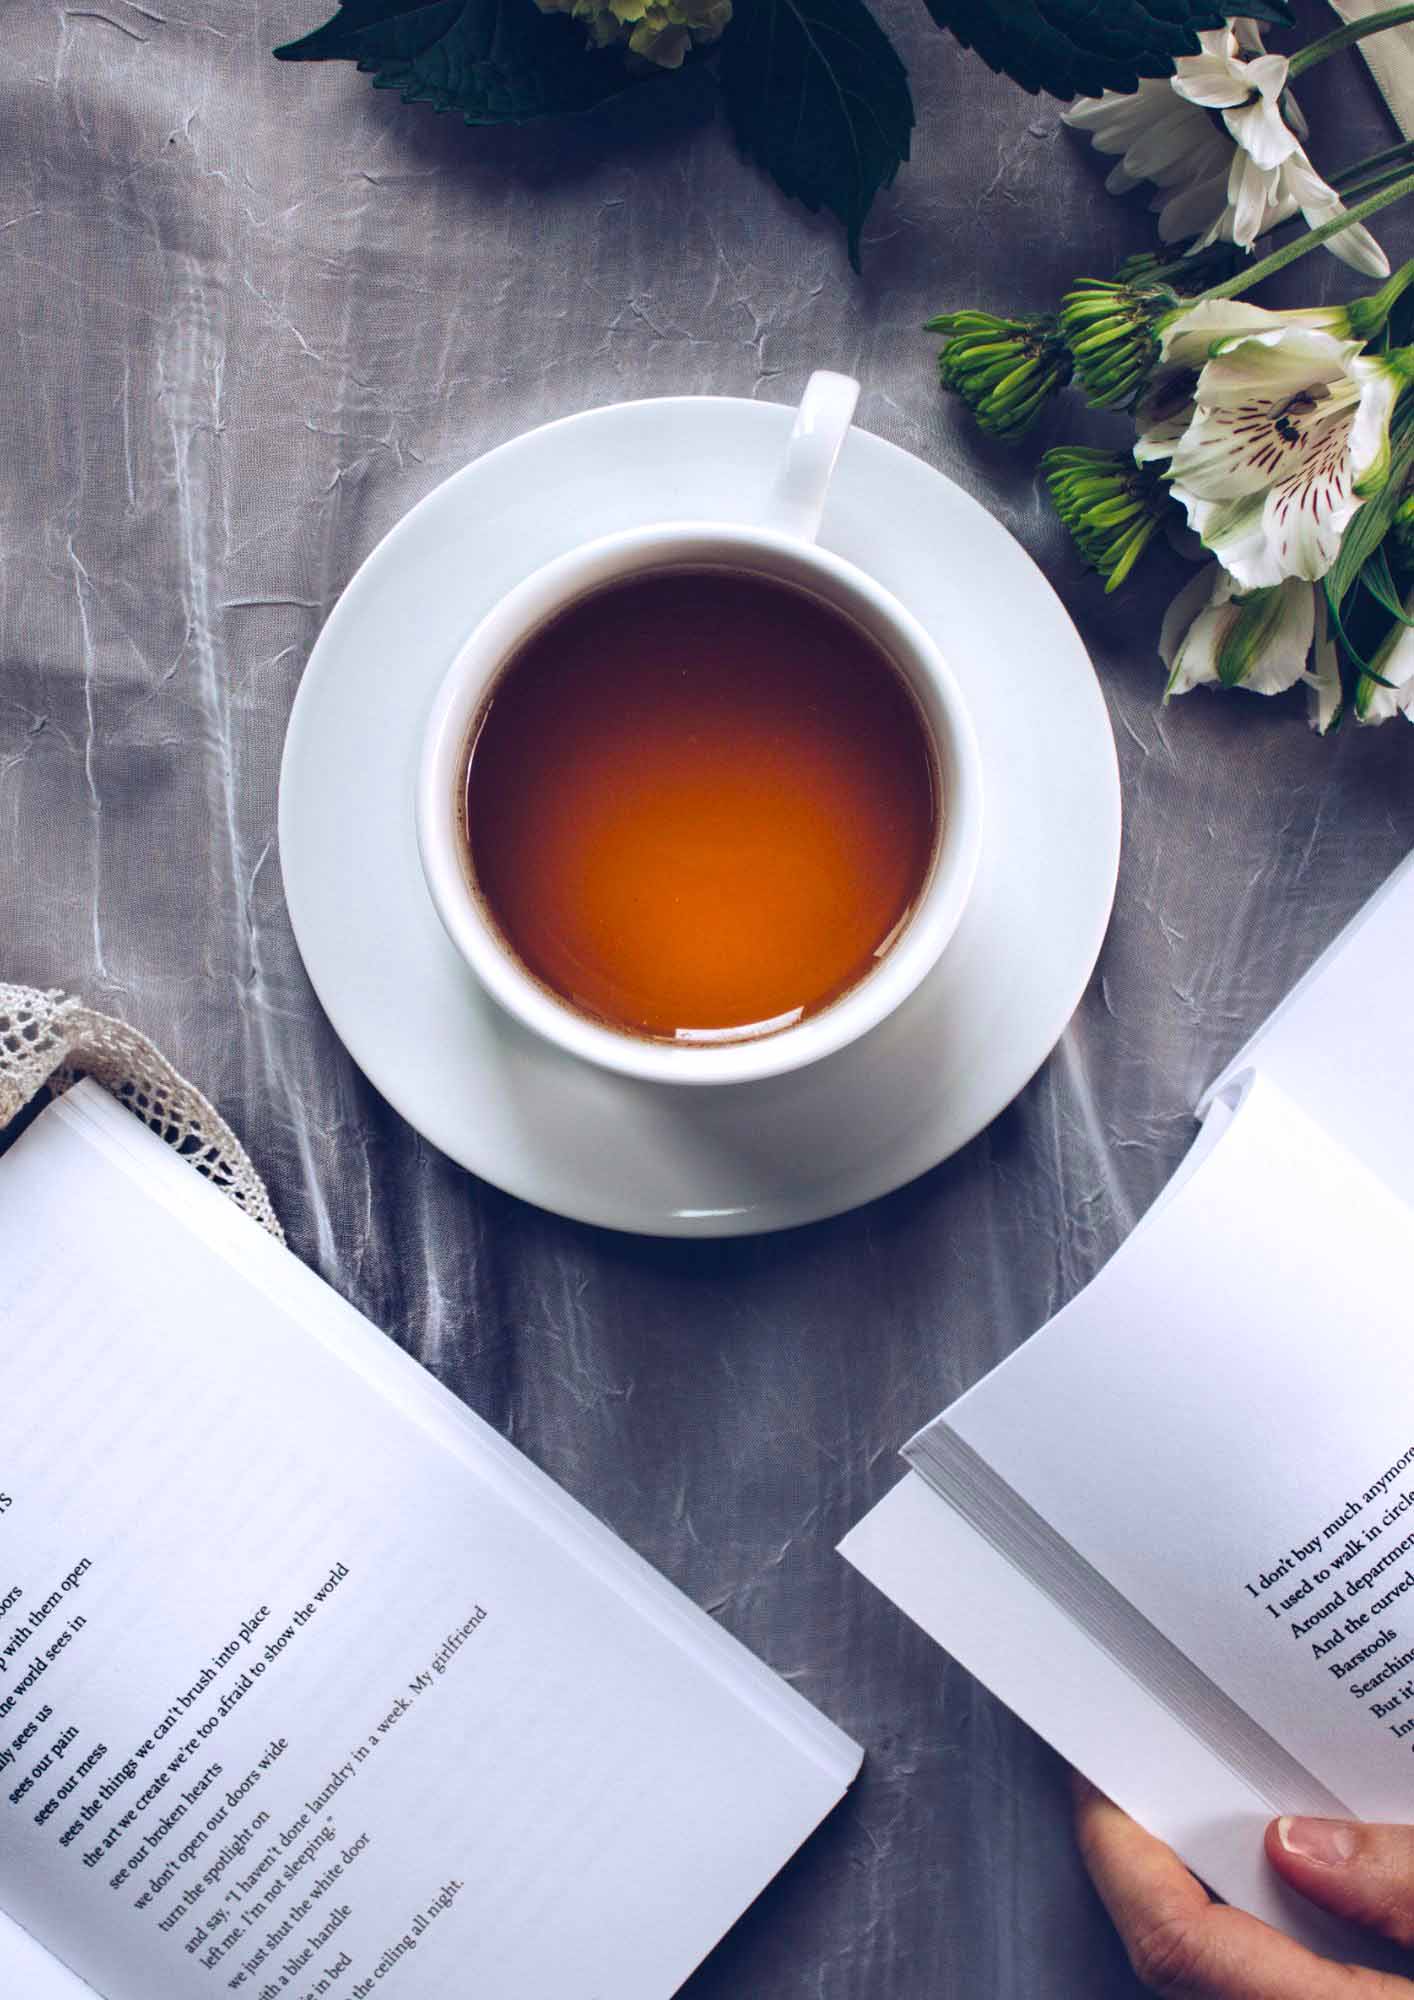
x=1331 y=1842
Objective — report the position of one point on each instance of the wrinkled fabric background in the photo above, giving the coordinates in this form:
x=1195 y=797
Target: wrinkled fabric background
x=250 y=314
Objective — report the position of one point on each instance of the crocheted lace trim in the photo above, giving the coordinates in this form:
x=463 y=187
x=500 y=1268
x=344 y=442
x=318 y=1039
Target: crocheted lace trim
x=48 y=1041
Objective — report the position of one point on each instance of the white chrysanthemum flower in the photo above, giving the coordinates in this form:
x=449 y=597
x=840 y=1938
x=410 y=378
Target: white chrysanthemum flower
x=1253 y=639
x=1160 y=138
x=1214 y=138
x=1285 y=435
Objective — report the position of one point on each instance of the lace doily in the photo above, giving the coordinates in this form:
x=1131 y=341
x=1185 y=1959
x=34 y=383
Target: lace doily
x=48 y=1041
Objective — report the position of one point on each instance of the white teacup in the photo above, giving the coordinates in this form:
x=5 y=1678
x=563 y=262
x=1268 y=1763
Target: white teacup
x=782 y=547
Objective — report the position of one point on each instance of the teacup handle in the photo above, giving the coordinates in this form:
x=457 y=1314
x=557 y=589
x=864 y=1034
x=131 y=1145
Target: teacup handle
x=798 y=497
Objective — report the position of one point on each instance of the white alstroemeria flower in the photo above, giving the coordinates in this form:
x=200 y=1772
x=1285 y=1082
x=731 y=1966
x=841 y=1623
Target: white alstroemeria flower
x=1325 y=697
x=1257 y=639
x=1189 y=339
x=1213 y=139
x=1394 y=663
x=1286 y=435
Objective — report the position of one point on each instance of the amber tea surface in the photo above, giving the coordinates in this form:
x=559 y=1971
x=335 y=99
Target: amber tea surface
x=699 y=804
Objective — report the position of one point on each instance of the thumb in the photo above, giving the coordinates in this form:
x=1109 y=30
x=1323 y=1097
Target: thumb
x=1355 y=1870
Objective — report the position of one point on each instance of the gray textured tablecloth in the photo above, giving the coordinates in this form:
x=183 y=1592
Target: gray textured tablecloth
x=251 y=313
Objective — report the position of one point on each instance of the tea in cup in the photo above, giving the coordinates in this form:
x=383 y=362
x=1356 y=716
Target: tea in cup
x=701 y=802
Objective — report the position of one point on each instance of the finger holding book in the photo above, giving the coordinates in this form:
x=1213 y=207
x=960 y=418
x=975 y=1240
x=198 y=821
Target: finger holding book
x=1185 y=1946
x=1362 y=1872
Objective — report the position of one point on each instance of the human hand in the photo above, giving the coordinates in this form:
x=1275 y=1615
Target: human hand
x=1187 y=1947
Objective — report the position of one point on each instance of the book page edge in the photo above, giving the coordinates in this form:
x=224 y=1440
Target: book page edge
x=1004 y=1631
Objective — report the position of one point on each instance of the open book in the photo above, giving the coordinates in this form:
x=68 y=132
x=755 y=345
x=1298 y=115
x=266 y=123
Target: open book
x=309 y=1683
x=1175 y=1530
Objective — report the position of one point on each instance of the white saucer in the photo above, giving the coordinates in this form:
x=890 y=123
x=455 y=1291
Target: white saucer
x=649 y=1157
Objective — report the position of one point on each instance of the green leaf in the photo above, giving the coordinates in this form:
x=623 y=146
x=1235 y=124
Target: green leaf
x=1352 y=648
x=1077 y=48
x=1370 y=525
x=1380 y=583
x=817 y=95
x=497 y=62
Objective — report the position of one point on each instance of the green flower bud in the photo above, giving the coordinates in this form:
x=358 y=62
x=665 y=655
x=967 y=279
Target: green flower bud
x=1365 y=318
x=1112 y=507
x=1112 y=333
x=1005 y=370
x=1138 y=269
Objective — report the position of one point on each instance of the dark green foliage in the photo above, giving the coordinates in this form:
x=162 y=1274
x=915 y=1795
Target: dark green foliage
x=817 y=96
x=497 y=62
x=814 y=89
x=1077 y=48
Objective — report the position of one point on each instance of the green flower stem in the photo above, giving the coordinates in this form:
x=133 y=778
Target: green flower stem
x=1367 y=184
x=1343 y=37
x=1267 y=267
x=1195 y=261
x=1376 y=165
x=1361 y=177
x=1368 y=315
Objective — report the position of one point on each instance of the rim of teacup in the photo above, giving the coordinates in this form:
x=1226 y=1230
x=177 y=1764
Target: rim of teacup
x=445 y=852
